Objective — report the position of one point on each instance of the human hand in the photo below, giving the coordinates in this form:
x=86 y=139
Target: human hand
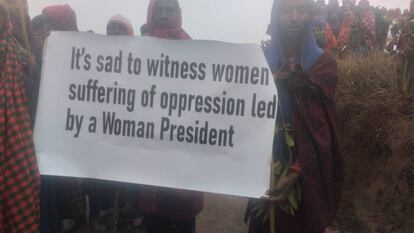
x=279 y=193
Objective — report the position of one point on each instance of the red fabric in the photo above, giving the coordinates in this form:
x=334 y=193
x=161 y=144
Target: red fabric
x=63 y=15
x=19 y=175
x=344 y=37
x=174 y=31
x=317 y=131
x=330 y=38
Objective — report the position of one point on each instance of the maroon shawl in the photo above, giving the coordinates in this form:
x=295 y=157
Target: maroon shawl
x=317 y=133
x=317 y=128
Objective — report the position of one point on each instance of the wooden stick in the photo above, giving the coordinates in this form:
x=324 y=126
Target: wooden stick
x=272 y=207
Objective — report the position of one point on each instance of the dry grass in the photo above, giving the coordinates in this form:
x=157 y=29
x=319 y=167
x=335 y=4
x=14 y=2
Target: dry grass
x=378 y=143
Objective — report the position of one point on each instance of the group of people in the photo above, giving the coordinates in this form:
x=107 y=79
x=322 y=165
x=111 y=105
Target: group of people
x=359 y=28
x=307 y=142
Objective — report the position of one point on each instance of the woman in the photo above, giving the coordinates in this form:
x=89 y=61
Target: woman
x=335 y=16
x=332 y=25
x=168 y=210
x=345 y=32
x=164 y=20
x=118 y=25
x=367 y=25
x=61 y=198
x=19 y=175
x=307 y=135
x=61 y=18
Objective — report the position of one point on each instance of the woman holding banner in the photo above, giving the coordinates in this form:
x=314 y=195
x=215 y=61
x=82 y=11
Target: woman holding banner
x=19 y=175
x=308 y=170
x=168 y=210
x=61 y=198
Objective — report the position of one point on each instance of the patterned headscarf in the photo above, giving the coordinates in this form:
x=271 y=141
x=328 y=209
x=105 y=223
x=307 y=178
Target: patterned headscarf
x=19 y=175
x=121 y=20
x=174 y=31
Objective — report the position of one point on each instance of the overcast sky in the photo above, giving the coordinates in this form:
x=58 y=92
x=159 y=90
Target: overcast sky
x=240 y=21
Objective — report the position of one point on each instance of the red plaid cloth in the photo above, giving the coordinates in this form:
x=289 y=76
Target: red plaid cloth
x=19 y=176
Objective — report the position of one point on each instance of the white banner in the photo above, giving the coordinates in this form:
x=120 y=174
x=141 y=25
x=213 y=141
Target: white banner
x=193 y=115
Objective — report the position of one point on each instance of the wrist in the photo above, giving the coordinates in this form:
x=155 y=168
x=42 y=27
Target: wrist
x=296 y=168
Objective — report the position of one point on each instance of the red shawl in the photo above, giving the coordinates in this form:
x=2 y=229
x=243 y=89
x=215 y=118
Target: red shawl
x=317 y=133
x=174 y=31
x=344 y=37
x=330 y=38
x=19 y=175
x=63 y=16
x=317 y=128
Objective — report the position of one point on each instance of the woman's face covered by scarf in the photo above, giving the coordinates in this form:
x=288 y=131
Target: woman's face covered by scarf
x=166 y=13
x=294 y=17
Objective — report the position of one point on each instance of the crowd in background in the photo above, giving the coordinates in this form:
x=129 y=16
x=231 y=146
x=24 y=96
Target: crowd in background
x=360 y=28
x=356 y=28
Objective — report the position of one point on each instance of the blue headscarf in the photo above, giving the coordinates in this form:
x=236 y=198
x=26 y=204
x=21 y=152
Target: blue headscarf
x=310 y=50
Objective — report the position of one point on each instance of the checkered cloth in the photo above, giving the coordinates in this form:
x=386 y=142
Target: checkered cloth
x=19 y=176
